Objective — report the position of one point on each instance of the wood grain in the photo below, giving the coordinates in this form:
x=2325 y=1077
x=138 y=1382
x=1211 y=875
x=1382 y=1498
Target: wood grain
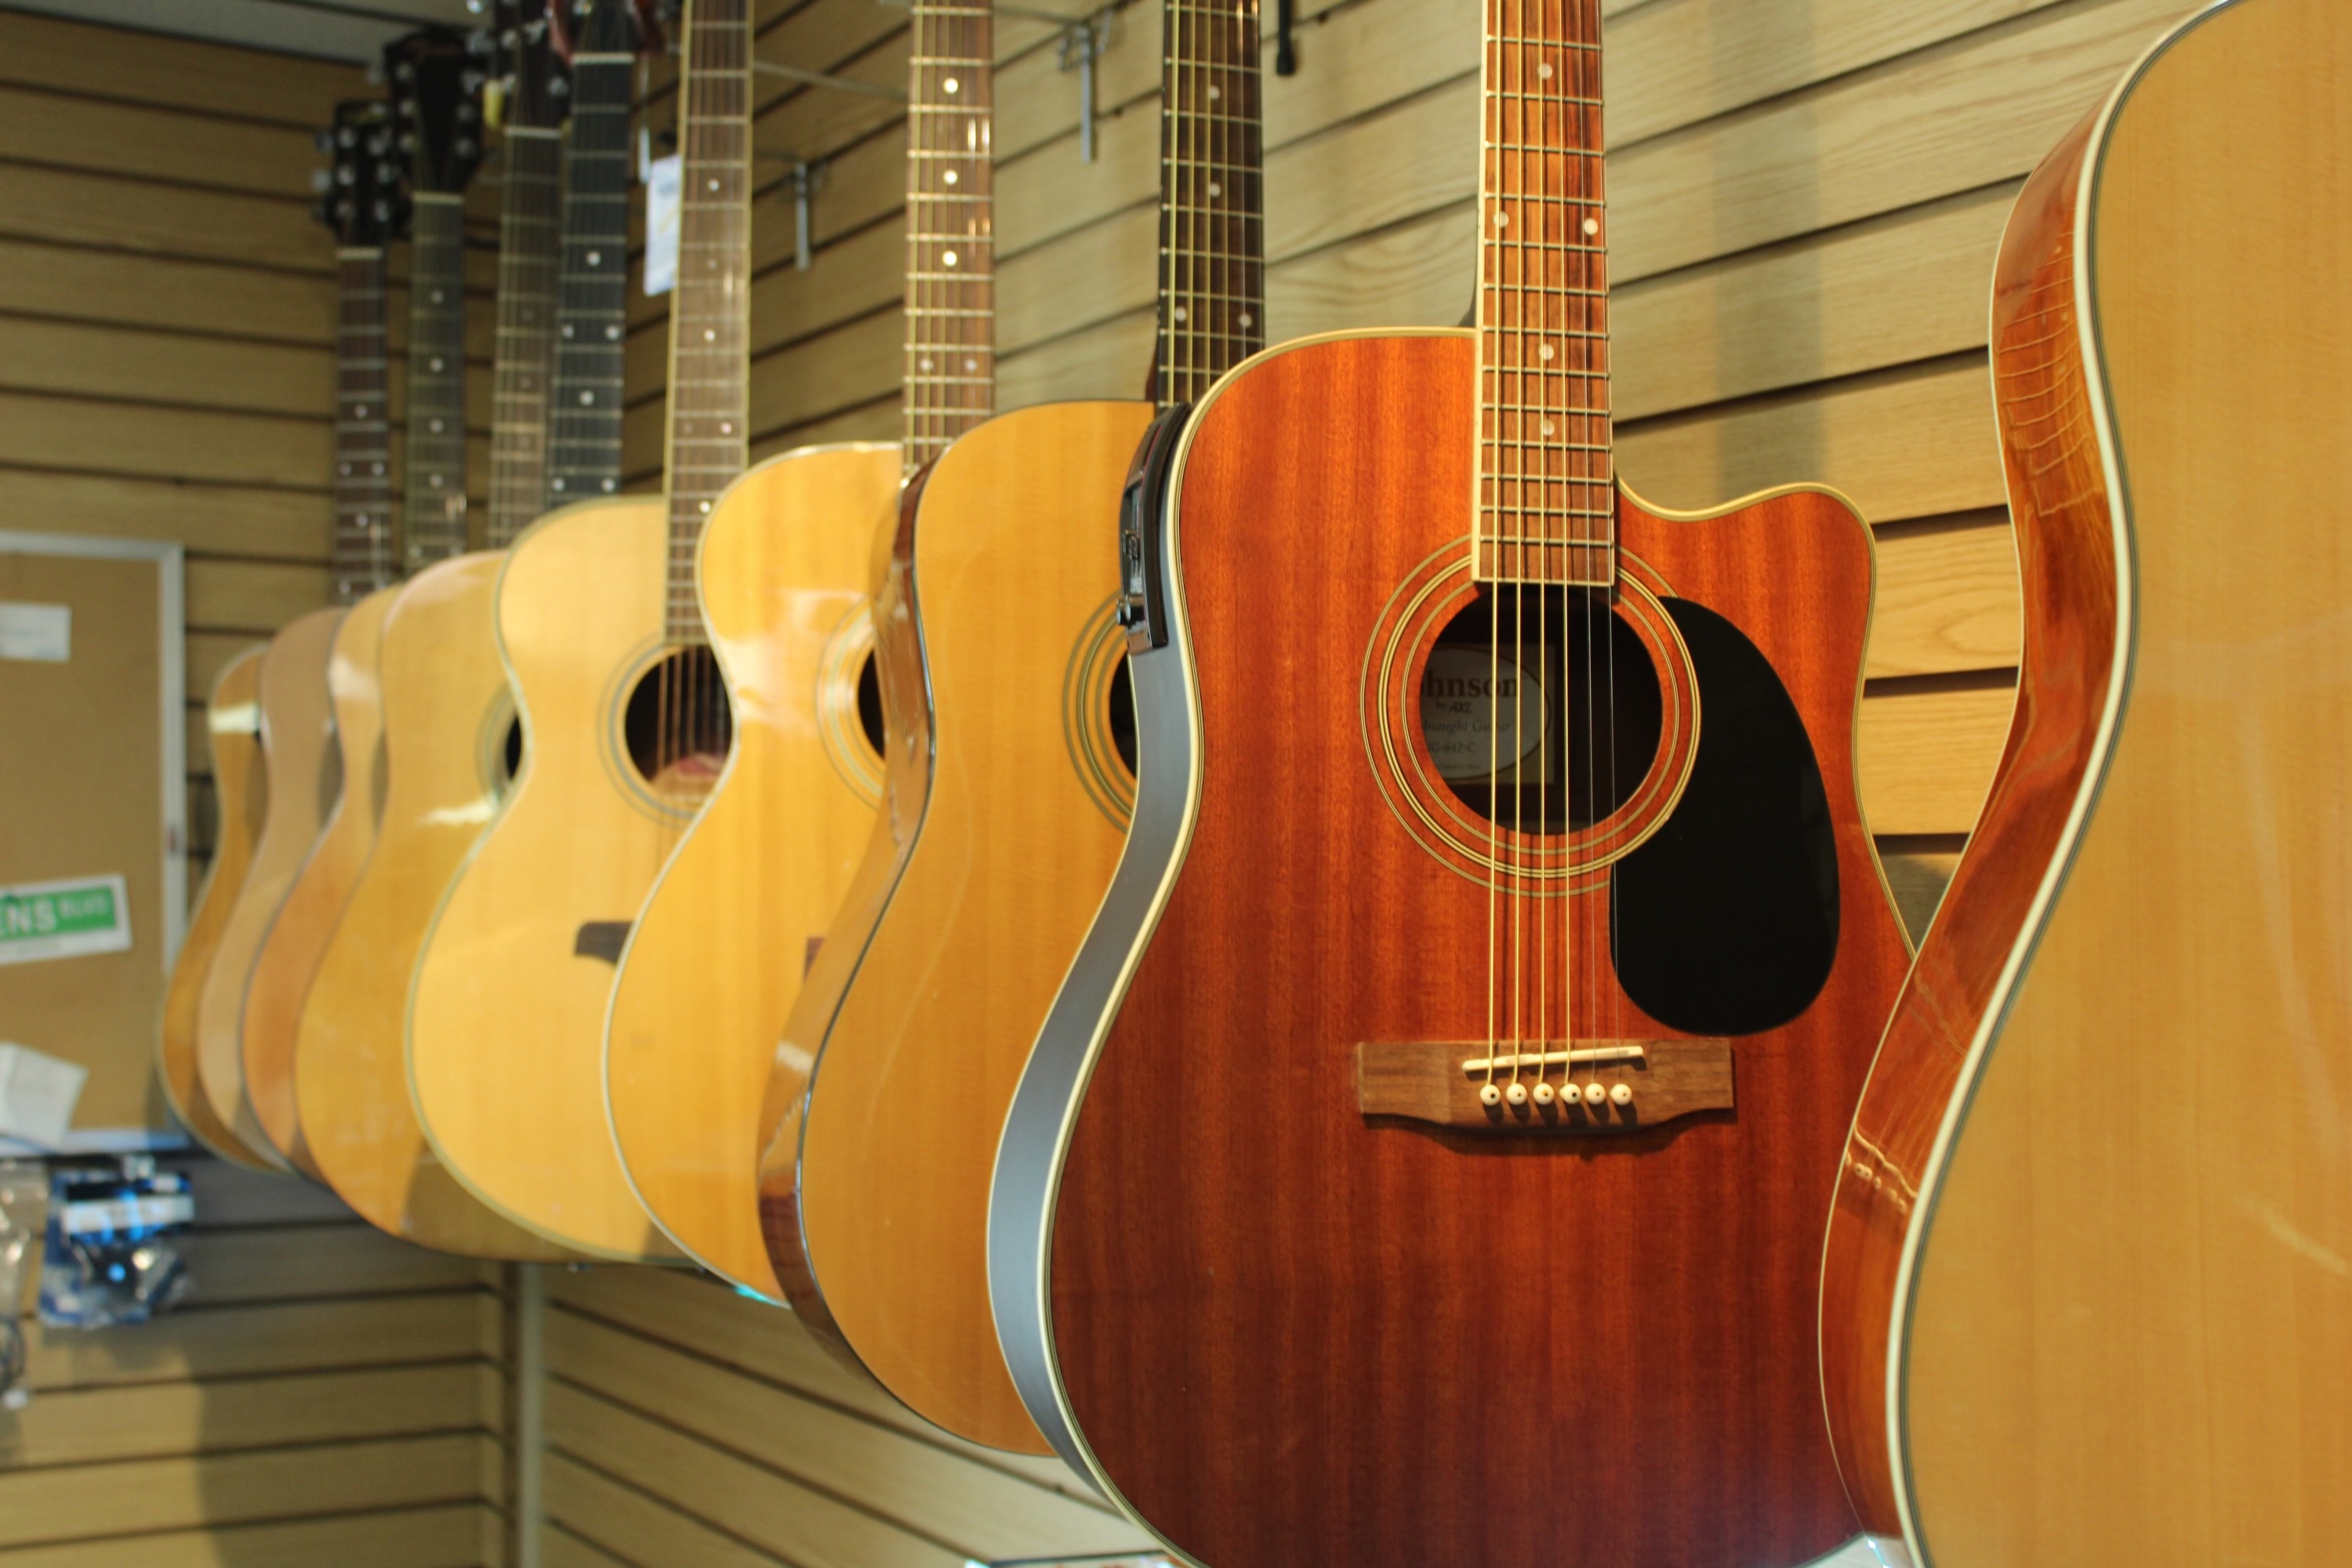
x=444 y=713
x=505 y=1020
x=299 y=754
x=1019 y=823
x=716 y=956
x=233 y=726
x=306 y=922
x=2130 y=1333
x=1241 y=1315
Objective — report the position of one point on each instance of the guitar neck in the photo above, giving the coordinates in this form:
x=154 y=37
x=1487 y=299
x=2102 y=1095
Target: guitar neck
x=1547 y=504
x=528 y=245
x=950 y=372
x=433 y=514
x=363 y=487
x=709 y=323
x=1212 y=233
x=583 y=457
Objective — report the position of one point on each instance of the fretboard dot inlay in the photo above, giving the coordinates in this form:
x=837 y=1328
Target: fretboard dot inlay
x=950 y=176
x=363 y=410
x=1215 y=189
x=1248 y=319
x=1180 y=313
x=727 y=426
x=924 y=364
x=1544 y=72
x=1549 y=428
x=567 y=329
x=1502 y=220
x=436 y=482
x=438 y=296
x=709 y=335
x=1544 y=351
x=436 y=364
x=1593 y=225
x=557 y=484
x=596 y=258
x=612 y=484
x=587 y=400
x=437 y=426
x=951 y=86
x=1215 y=93
x=612 y=334
x=947 y=259
x=344 y=468
x=702 y=506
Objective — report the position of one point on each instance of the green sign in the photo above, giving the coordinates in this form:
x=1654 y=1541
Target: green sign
x=63 y=920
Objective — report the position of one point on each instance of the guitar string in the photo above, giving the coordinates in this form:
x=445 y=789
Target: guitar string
x=1489 y=486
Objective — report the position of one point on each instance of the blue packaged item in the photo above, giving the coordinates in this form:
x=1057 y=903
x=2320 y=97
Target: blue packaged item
x=107 y=1258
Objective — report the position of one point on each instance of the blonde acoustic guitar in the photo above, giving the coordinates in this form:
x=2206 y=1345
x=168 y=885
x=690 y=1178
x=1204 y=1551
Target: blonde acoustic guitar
x=716 y=957
x=2089 y=1300
x=304 y=777
x=1007 y=687
x=233 y=721
x=448 y=716
x=624 y=730
x=432 y=107
x=437 y=660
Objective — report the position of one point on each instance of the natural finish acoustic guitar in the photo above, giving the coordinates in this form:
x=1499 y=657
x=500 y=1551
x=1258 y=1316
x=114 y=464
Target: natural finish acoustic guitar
x=715 y=960
x=446 y=714
x=436 y=134
x=2089 y=1287
x=233 y=720
x=1425 y=1159
x=999 y=845
x=624 y=726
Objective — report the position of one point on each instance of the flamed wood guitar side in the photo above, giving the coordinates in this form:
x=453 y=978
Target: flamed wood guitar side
x=2087 y=1297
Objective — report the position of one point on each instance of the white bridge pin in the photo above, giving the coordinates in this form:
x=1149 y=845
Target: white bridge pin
x=1516 y=1094
x=1489 y=1096
x=1621 y=1094
x=1543 y=1095
x=1594 y=1094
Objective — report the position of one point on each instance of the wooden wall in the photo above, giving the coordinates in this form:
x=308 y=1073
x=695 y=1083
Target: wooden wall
x=167 y=318
x=328 y=1396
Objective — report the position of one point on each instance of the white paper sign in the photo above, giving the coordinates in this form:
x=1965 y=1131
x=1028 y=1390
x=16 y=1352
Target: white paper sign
x=661 y=224
x=41 y=633
x=37 y=1095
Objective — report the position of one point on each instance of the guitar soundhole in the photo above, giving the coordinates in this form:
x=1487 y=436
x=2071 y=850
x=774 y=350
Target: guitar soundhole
x=869 y=706
x=1540 y=708
x=1122 y=703
x=676 y=726
x=510 y=752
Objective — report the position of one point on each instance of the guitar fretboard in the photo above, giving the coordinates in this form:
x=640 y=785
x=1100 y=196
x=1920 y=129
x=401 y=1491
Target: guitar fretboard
x=583 y=428
x=1547 y=490
x=951 y=371
x=434 y=510
x=709 y=323
x=528 y=233
x=363 y=545
x=1212 y=233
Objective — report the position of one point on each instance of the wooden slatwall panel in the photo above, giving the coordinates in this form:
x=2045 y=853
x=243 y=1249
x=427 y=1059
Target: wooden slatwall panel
x=690 y=1425
x=167 y=318
x=1807 y=198
x=327 y=1394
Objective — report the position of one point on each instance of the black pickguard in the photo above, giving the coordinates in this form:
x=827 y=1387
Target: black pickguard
x=1725 y=922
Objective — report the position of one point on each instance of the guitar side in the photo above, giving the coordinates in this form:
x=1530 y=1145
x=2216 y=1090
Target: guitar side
x=1015 y=569
x=300 y=756
x=506 y=1009
x=2122 y=1330
x=297 y=939
x=716 y=956
x=1236 y=1279
x=233 y=720
x=445 y=715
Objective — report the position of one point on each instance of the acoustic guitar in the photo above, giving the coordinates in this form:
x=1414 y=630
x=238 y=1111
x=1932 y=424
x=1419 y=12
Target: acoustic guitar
x=447 y=718
x=233 y=723
x=1425 y=1159
x=437 y=127
x=1001 y=843
x=625 y=728
x=300 y=762
x=715 y=959
x=2087 y=1297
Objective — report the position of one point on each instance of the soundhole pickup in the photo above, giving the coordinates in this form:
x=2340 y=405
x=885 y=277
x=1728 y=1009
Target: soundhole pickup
x=601 y=940
x=1594 y=1087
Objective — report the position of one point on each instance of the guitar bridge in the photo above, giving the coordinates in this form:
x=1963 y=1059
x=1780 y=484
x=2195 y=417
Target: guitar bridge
x=1590 y=1087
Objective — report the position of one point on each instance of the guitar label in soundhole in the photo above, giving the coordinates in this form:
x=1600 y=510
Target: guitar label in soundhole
x=676 y=728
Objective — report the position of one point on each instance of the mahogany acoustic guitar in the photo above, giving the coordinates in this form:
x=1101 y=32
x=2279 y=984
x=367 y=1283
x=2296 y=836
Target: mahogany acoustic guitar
x=450 y=733
x=624 y=728
x=437 y=140
x=2088 y=1294
x=999 y=843
x=233 y=722
x=1424 y=1160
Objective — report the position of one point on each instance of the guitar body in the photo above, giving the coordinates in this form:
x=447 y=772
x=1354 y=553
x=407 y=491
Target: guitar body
x=233 y=720
x=2087 y=1301
x=1017 y=827
x=506 y=1017
x=305 y=775
x=1284 y=1331
x=306 y=922
x=445 y=714
x=716 y=957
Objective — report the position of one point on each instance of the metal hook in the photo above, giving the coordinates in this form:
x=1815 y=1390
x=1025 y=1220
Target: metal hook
x=1083 y=42
x=807 y=180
